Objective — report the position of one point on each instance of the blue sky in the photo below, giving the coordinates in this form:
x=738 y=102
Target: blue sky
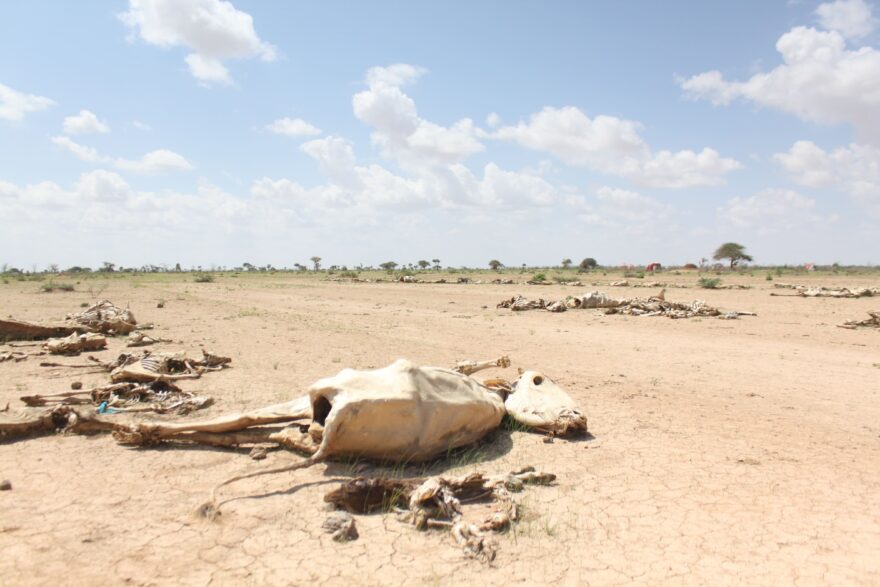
x=213 y=133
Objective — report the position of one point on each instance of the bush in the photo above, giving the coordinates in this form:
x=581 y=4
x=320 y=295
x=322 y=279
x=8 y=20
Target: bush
x=349 y=274
x=51 y=286
x=564 y=279
x=539 y=277
x=203 y=278
x=709 y=282
x=769 y=277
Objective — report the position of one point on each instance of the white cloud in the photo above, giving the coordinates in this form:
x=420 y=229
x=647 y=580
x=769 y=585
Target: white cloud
x=14 y=105
x=820 y=80
x=84 y=123
x=631 y=206
x=769 y=210
x=152 y=162
x=854 y=170
x=155 y=162
x=141 y=125
x=81 y=152
x=613 y=145
x=214 y=30
x=493 y=119
x=851 y=18
x=399 y=131
x=293 y=127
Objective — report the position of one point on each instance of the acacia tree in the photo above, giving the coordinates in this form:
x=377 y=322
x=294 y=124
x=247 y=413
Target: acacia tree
x=423 y=264
x=317 y=262
x=566 y=263
x=733 y=251
x=388 y=266
x=495 y=264
x=587 y=264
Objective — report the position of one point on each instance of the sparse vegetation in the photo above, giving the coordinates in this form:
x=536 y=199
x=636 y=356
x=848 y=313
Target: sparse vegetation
x=539 y=277
x=709 y=282
x=51 y=286
x=203 y=278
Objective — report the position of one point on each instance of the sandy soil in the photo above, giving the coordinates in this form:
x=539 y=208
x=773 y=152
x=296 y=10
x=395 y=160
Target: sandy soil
x=725 y=452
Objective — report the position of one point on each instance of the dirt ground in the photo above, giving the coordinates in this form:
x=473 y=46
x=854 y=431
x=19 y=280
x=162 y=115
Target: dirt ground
x=743 y=451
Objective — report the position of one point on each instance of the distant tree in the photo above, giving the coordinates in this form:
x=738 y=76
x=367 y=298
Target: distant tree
x=588 y=264
x=108 y=267
x=733 y=251
x=388 y=266
x=317 y=262
x=566 y=263
x=423 y=264
x=495 y=264
x=436 y=263
x=248 y=267
x=53 y=268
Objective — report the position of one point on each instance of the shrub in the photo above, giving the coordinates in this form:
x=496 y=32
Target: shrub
x=564 y=278
x=539 y=277
x=709 y=282
x=51 y=286
x=769 y=277
x=203 y=278
x=349 y=274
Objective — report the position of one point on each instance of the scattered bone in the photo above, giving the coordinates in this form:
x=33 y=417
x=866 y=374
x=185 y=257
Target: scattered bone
x=75 y=344
x=156 y=396
x=502 y=281
x=828 y=292
x=165 y=367
x=653 y=306
x=138 y=338
x=341 y=526
x=436 y=502
x=471 y=367
x=619 y=283
x=872 y=322
x=105 y=317
x=15 y=356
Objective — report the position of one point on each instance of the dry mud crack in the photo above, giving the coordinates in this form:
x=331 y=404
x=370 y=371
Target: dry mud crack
x=749 y=455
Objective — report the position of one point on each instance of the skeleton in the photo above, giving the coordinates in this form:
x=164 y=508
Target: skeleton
x=102 y=317
x=872 y=322
x=105 y=317
x=827 y=292
x=653 y=306
x=156 y=396
x=401 y=413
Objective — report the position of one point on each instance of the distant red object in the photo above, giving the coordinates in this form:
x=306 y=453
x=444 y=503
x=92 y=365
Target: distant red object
x=653 y=267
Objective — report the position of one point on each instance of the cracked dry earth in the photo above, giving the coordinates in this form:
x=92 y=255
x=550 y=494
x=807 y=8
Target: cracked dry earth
x=725 y=452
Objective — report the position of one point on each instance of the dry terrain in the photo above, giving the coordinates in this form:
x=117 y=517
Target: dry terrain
x=743 y=451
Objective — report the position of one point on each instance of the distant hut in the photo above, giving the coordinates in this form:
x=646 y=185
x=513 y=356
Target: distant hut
x=653 y=267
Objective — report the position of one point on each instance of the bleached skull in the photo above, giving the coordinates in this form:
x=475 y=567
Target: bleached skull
x=539 y=403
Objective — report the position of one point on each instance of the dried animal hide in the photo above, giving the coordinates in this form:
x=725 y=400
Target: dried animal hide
x=105 y=317
x=11 y=329
x=59 y=419
x=539 y=403
x=872 y=322
x=157 y=396
x=75 y=344
x=520 y=304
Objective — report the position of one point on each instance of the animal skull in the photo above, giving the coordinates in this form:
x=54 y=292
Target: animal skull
x=539 y=403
